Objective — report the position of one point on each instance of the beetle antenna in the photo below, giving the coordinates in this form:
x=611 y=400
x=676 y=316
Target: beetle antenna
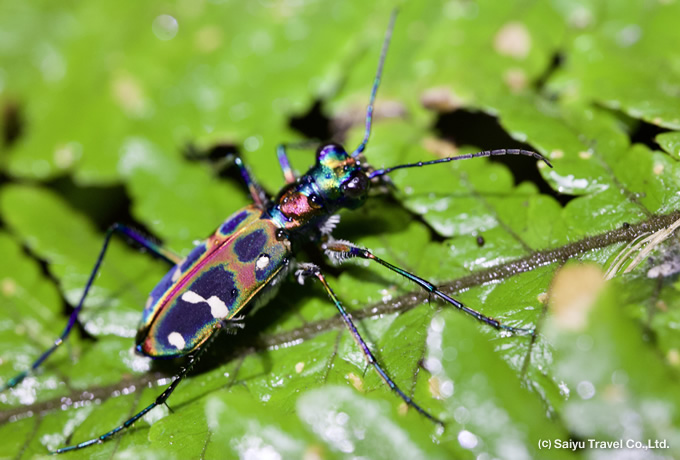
x=376 y=83
x=485 y=153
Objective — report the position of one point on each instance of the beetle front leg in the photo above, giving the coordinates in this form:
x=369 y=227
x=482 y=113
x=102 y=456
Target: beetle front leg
x=282 y=155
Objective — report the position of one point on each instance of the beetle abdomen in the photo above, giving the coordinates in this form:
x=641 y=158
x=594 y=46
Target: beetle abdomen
x=227 y=271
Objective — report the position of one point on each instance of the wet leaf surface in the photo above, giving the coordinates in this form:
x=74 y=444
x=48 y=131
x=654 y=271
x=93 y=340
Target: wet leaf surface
x=112 y=96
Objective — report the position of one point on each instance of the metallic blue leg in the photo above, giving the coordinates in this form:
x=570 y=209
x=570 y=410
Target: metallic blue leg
x=154 y=248
x=158 y=250
x=311 y=270
x=221 y=160
x=342 y=250
x=282 y=155
x=258 y=194
x=161 y=399
x=288 y=173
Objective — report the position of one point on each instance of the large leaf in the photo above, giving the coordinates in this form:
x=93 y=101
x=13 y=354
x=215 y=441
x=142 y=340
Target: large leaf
x=100 y=100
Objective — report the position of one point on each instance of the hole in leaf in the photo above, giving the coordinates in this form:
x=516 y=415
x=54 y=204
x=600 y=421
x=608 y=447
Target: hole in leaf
x=220 y=157
x=464 y=127
x=644 y=133
x=12 y=123
x=89 y=201
x=639 y=131
x=313 y=124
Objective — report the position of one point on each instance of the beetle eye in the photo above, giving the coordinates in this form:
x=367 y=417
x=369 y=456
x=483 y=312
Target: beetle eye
x=356 y=186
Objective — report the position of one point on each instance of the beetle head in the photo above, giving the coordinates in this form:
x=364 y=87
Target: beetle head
x=341 y=177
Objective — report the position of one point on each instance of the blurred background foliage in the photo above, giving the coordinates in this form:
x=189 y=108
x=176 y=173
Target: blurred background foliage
x=101 y=101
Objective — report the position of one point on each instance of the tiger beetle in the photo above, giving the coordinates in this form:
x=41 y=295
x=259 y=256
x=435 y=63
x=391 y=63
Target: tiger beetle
x=242 y=264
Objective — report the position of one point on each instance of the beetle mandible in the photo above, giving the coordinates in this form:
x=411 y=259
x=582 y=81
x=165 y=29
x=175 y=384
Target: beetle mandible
x=242 y=264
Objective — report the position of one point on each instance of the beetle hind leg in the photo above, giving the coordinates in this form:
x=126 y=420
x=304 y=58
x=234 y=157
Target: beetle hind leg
x=160 y=400
x=133 y=235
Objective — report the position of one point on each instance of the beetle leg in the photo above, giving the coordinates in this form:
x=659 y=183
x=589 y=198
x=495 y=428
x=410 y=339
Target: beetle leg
x=282 y=155
x=155 y=248
x=339 y=251
x=160 y=400
x=258 y=194
x=221 y=160
x=231 y=326
x=307 y=270
x=152 y=247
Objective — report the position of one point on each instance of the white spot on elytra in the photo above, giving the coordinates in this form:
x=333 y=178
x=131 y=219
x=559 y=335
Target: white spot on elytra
x=192 y=297
x=218 y=309
x=176 y=340
x=262 y=262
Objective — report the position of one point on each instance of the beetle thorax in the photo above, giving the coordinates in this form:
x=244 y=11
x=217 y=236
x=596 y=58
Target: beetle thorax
x=336 y=181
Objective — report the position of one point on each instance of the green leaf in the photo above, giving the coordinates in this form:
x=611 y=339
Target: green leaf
x=623 y=374
x=100 y=101
x=670 y=142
